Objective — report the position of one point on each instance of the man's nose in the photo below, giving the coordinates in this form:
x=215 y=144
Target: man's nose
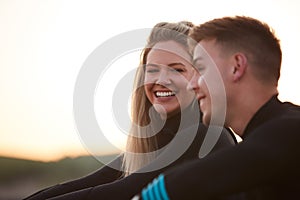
x=193 y=83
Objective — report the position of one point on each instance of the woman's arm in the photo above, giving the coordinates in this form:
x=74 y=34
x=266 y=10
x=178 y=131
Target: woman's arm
x=104 y=175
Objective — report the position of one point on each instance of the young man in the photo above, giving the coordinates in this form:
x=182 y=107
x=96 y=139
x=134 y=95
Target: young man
x=245 y=54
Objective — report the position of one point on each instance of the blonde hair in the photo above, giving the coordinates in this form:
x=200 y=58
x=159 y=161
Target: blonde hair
x=141 y=146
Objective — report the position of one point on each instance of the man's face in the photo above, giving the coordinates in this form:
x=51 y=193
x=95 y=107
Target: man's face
x=209 y=82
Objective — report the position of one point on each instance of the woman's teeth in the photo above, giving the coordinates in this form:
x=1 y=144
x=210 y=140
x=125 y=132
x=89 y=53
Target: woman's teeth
x=164 y=94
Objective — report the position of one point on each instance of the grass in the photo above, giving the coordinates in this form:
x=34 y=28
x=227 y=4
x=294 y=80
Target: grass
x=19 y=178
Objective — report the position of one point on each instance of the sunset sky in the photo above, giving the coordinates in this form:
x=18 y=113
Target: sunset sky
x=44 y=43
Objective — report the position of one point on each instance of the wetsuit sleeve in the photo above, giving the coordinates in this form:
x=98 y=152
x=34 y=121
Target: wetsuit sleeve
x=104 y=175
x=268 y=156
x=127 y=187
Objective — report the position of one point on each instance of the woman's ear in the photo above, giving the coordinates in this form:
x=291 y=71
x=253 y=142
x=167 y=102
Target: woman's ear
x=240 y=66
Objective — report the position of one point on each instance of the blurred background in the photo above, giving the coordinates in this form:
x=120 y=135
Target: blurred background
x=43 y=44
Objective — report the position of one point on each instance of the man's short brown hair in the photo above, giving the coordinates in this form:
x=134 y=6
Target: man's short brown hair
x=250 y=36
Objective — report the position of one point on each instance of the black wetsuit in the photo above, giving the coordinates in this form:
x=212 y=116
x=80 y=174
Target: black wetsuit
x=106 y=182
x=266 y=165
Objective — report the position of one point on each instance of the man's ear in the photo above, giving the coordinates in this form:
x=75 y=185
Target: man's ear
x=240 y=66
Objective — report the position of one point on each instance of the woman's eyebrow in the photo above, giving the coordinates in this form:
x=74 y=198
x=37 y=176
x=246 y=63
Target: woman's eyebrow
x=169 y=65
x=174 y=64
x=151 y=65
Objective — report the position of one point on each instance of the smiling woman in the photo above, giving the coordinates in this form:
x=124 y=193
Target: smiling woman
x=166 y=77
x=156 y=78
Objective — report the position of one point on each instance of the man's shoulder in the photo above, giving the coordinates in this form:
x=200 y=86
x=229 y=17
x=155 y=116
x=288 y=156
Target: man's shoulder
x=285 y=125
x=290 y=110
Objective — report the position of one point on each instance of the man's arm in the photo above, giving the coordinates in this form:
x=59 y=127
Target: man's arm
x=270 y=155
x=127 y=187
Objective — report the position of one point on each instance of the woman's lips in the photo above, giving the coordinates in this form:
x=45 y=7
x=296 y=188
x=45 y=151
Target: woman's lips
x=164 y=96
x=164 y=93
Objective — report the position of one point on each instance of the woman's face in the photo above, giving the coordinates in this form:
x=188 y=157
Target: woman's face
x=167 y=72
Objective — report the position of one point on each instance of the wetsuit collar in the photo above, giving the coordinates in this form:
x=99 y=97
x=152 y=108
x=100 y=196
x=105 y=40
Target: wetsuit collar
x=182 y=120
x=268 y=111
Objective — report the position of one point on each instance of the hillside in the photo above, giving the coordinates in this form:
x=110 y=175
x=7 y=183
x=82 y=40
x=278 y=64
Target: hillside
x=19 y=178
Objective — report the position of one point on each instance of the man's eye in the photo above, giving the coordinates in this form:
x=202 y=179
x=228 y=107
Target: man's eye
x=200 y=68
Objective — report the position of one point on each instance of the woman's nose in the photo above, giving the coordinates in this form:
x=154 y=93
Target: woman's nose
x=163 y=78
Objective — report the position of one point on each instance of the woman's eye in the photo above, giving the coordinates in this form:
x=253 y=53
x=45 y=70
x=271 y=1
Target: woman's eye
x=152 y=70
x=177 y=70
